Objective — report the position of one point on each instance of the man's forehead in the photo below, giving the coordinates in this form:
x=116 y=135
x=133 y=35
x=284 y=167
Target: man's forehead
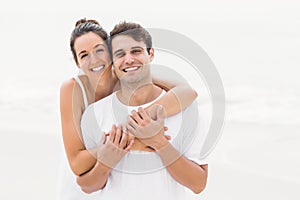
x=125 y=42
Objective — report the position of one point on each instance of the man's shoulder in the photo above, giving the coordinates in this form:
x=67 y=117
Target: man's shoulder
x=97 y=106
x=104 y=101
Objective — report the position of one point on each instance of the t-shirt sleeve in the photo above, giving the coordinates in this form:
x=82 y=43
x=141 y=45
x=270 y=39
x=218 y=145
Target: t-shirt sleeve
x=195 y=135
x=193 y=152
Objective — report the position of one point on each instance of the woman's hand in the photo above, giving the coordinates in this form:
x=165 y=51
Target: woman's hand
x=113 y=146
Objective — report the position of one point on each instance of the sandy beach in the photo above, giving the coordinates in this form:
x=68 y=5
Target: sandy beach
x=29 y=163
x=250 y=161
x=254 y=161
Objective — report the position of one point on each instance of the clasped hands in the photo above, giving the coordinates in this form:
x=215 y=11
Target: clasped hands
x=140 y=126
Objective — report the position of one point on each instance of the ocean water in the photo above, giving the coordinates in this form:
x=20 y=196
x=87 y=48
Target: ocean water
x=254 y=48
x=32 y=102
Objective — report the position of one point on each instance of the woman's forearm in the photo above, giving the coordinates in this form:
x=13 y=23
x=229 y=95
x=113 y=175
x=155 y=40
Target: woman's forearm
x=83 y=161
x=179 y=93
x=176 y=99
x=95 y=179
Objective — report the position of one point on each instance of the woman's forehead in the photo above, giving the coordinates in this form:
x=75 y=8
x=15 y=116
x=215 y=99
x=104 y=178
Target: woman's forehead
x=87 y=41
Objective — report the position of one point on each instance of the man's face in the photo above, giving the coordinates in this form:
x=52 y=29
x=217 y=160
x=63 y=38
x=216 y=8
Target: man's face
x=131 y=59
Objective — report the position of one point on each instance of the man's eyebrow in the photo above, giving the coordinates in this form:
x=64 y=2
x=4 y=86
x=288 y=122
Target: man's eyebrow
x=137 y=47
x=118 y=51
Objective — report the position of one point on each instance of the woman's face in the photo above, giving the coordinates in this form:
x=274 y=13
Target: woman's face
x=92 y=55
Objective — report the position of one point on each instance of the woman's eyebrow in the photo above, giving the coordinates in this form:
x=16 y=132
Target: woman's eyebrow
x=96 y=46
x=81 y=52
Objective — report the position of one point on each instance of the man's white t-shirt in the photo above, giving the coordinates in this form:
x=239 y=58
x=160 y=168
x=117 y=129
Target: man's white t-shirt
x=140 y=174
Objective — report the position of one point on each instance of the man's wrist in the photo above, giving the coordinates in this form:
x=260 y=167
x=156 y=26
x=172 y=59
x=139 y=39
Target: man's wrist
x=161 y=143
x=168 y=154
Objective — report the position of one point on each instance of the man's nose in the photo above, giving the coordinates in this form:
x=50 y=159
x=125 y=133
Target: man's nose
x=129 y=59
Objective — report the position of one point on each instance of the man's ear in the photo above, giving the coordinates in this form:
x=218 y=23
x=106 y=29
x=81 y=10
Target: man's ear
x=151 y=54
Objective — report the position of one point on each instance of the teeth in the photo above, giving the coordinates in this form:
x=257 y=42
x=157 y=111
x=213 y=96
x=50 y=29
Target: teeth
x=131 y=69
x=97 y=69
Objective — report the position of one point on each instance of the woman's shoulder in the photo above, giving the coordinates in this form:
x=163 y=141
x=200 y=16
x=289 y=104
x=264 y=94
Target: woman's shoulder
x=68 y=85
x=70 y=88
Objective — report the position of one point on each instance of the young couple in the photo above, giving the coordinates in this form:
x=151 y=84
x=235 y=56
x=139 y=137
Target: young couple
x=114 y=117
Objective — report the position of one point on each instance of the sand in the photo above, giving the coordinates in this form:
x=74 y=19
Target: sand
x=251 y=161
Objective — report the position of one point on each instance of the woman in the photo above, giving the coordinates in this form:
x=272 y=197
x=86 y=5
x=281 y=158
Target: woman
x=88 y=45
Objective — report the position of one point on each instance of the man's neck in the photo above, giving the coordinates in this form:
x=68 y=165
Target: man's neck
x=138 y=96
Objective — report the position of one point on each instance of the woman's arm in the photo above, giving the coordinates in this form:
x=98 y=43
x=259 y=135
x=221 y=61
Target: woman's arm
x=95 y=179
x=71 y=109
x=115 y=144
x=180 y=94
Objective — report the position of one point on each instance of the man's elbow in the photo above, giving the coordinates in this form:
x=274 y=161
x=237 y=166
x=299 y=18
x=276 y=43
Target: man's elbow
x=199 y=188
x=195 y=93
x=202 y=181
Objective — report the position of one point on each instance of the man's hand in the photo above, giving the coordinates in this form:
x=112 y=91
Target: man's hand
x=147 y=130
x=113 y=146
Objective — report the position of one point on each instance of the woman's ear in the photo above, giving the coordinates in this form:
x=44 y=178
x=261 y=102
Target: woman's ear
x=76 y=62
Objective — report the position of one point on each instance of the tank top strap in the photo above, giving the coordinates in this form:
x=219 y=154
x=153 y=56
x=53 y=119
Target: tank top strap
x=83 y=91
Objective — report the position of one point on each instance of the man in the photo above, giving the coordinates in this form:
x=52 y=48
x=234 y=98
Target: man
x=154 y=168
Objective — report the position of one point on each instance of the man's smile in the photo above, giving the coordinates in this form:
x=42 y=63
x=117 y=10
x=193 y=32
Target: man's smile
x=132 y=68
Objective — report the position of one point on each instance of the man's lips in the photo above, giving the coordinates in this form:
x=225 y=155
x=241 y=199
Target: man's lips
x=129 y=69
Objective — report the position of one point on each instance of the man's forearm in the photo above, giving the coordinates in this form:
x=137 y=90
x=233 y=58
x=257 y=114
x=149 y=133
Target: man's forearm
x=95 y=179
x=184 y=171
x=189 y=174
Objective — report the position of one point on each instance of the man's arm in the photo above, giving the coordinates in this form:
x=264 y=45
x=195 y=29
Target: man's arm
x=151 y=133
x=183 y=170
x=189 y=174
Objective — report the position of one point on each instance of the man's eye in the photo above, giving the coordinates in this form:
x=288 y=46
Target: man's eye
x=136 y=51
x=119 y=55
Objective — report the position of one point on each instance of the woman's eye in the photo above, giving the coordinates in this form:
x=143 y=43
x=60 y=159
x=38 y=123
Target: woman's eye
x=83 y=56
x=99 y=50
